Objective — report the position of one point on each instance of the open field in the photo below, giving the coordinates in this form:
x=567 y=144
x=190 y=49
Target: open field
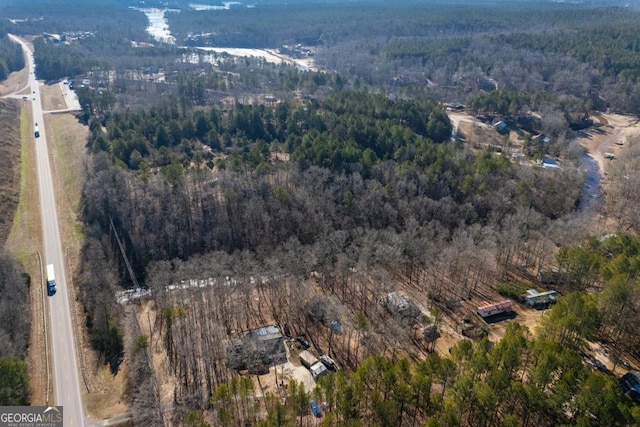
x=52 y=98
x=269 y=55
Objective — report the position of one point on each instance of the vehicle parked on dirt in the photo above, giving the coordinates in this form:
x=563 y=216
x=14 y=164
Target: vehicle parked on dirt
x=315 y=408
x=303 y=342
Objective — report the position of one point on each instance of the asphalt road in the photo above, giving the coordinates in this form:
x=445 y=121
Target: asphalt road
x=66 y=377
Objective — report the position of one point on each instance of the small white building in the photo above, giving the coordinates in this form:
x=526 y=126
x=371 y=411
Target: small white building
x=533 y=297
x=318 y=369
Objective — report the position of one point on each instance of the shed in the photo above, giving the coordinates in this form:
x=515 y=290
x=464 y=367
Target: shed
x=490 y=309
x=554 y=276
x=318 y=369
x=500 y=126
x=307 y=359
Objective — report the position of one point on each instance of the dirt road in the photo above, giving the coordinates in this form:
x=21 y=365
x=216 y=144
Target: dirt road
x=610 y=131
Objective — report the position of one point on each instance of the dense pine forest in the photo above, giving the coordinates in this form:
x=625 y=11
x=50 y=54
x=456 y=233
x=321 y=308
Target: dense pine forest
x=11 y=57
x=305 y=197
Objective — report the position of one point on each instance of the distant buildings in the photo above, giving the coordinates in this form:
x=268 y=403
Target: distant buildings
x=454 y=106
x=318 y=370
x=549 y=162
x=298 y=51
x=67 y=37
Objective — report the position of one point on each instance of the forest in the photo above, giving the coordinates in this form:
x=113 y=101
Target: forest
x=362 y=191
x=358 y=161
x=15 y=326
x=442 y=51
x=11 y=57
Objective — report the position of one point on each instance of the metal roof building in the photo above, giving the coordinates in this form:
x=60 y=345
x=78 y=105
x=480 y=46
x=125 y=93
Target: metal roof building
x=489 y=309
x=318 y=369
x=534 y=297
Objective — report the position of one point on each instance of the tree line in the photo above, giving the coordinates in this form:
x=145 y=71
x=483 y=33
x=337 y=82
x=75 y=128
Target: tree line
x=437 y=51
x=375 y=167
x=15 y=327
x=11 y=55
x=608 y=263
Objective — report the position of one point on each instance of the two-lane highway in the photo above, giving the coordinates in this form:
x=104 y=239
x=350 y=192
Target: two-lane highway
x=64 y=351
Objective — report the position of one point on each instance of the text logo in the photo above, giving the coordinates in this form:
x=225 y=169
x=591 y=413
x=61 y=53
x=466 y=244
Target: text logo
x=30 y=416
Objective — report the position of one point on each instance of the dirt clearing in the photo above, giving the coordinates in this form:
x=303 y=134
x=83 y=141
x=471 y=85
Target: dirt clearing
x=16 y=81
x=613 y=133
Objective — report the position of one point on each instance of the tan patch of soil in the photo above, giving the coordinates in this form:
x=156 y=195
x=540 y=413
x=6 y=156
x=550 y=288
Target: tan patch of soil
x=15 y=82
x=159 y=360
x=108 y=394
x=52 y=98
x=602 y=138
x=525 y=316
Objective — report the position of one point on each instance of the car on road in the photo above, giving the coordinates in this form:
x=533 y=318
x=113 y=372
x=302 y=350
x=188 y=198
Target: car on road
x=315 y=408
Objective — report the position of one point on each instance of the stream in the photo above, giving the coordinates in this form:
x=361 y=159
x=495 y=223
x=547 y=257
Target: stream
x=591 y=194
